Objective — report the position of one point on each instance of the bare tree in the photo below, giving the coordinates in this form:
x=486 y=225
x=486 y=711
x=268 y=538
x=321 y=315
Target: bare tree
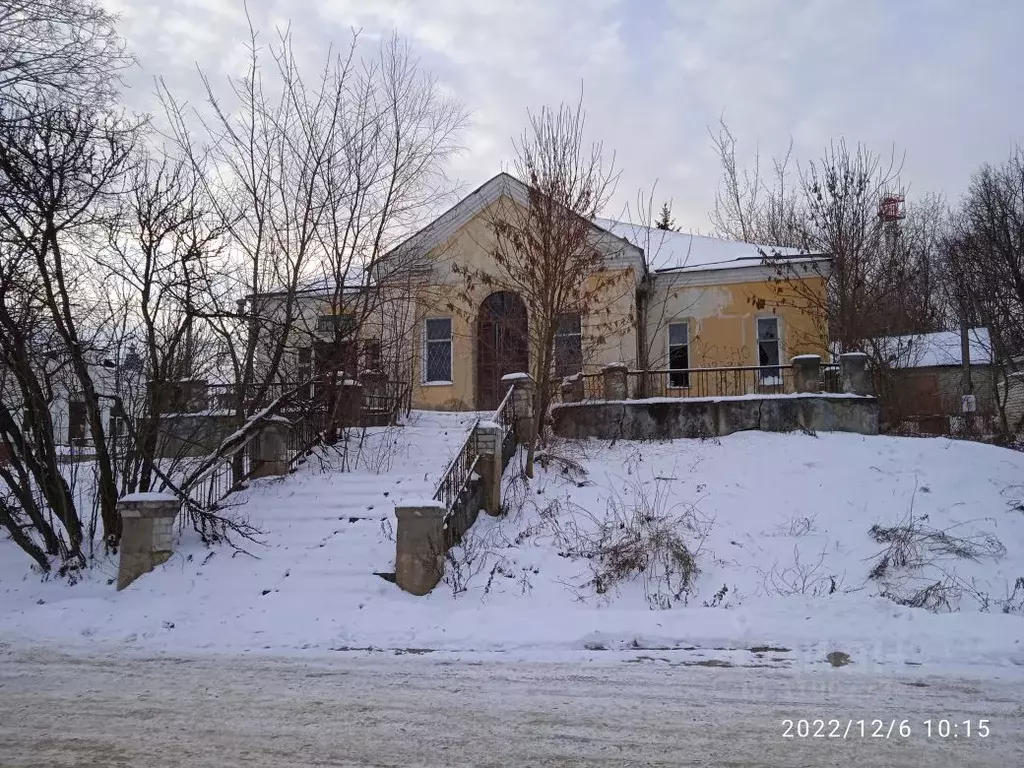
x=157 y=243
x=313 y=180
x=59 y=48
x=547 y=249
x=56 y=172
x=985 y=265
x=750 y=207
x=881 y=279
x=62 y=154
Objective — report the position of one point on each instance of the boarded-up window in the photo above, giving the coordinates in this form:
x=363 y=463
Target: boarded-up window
x=568 y=345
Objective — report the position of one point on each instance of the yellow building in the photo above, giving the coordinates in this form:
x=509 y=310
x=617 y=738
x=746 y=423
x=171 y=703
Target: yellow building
x=669 y=302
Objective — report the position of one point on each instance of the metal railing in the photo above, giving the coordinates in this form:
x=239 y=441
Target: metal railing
x=453 y=486
x=726 y=381
x=381 y=404
x=505 y=418
x=224 y=476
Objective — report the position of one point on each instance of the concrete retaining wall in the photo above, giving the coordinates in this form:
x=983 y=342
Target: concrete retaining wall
x=669 y=418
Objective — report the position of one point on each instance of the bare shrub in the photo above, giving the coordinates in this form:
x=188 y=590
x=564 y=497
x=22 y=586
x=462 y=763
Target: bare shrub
x=802 y=578
x=911 y=545
x=644 y=536
x=1013 y=602
x=943 y=595
x=799 y=525
x=913 y=565
x=464 y=562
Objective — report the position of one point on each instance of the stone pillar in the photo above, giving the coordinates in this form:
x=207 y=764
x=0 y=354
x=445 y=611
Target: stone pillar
x=522 y=404
x=572 y=389
x=419 y=543
x=147 y=535
x=615 y=381
x=270 y=448
x=487 y=438
x=853 y=368
x=806 y=373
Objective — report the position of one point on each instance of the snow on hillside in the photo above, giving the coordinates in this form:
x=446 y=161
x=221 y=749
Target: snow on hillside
x=779 y=526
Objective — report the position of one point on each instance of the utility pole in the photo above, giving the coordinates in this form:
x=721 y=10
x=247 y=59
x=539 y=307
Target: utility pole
x=967 y=401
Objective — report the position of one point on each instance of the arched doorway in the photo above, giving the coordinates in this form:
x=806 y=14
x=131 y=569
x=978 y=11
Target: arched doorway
x=501 y=345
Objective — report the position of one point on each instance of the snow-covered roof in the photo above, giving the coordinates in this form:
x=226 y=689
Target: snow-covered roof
x=928 y=350
x=681 y=251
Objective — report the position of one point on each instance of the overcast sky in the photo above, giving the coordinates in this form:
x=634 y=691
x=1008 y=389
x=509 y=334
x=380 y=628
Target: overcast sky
x=941 y=80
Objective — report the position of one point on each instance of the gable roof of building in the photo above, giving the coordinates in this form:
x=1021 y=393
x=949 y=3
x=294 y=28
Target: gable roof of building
x=669 y=251
x=623 y=253
x=935 y=350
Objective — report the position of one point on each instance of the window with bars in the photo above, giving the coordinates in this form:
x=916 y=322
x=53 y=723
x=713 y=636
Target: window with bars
x=679 y=354
x=568 y=350
x=769 y=352
x=437 y=350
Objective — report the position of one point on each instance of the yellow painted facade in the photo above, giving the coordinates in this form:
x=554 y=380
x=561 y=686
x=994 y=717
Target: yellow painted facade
x=628 y=322
x=608 y=335
x=722 y=316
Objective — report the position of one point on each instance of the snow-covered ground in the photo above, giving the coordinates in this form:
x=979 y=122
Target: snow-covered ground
x=779 y=525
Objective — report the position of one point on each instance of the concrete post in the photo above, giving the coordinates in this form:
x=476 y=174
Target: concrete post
x=419 y=555
x=271 y=450
x=807 y=373
x=488 y=447
x=853 y=368
x=615 y=381
x=572 y=389
x=147 y=523
x=522 y=404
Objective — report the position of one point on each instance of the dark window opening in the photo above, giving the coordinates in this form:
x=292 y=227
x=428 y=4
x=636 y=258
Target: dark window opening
x=679 y=354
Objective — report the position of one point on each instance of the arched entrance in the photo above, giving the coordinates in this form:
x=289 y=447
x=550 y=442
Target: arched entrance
x=501 y=345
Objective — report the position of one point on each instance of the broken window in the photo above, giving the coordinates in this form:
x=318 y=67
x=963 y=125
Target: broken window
x=679 y=354
x=768 y=352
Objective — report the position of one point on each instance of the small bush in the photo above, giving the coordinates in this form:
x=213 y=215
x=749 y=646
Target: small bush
x=911 y=545
x=913 y=566
x=650 y=539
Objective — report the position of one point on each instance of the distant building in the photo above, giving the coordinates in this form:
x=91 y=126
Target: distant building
x=928 y=377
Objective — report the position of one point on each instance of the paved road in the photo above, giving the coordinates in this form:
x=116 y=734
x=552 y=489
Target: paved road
x=354 y=709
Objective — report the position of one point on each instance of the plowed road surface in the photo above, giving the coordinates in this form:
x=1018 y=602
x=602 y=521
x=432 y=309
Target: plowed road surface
x=377 y=709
